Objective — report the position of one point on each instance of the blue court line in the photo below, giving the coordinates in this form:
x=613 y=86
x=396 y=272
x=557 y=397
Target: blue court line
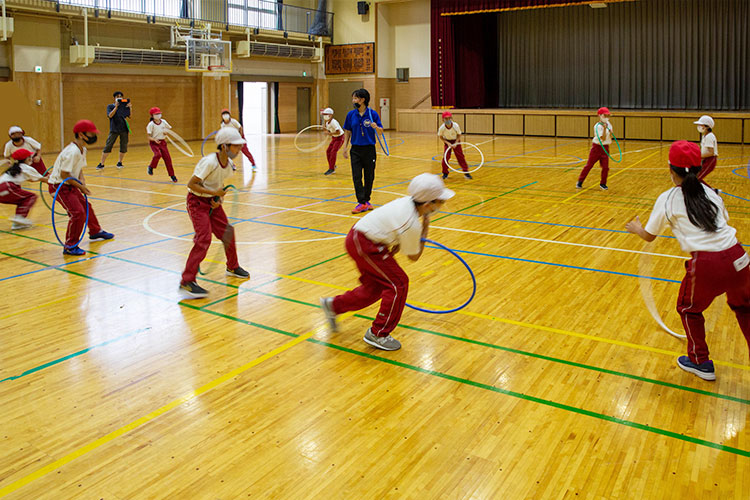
x=69 y=356
x=746 y=169
x=520 y=155
x=733 y=195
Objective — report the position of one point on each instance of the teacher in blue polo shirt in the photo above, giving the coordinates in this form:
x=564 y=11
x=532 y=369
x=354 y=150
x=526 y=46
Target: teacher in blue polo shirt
x=359 y=127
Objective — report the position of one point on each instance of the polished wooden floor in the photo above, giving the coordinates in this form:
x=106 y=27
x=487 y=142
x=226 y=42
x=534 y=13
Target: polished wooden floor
x=555 y=382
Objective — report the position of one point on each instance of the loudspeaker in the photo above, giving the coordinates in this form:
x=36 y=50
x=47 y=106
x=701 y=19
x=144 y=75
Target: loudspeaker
x=362 y=8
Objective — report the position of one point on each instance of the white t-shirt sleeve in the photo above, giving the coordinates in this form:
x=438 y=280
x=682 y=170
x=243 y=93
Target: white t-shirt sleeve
x=658 y=221
x=410 y=240
x=30 y=173
x=441 y=130
x=150 y=128
x=36 y=145
x=236 y=124
x=8 y=151
x=709 y=141
x=204 y=168
x=167 y=126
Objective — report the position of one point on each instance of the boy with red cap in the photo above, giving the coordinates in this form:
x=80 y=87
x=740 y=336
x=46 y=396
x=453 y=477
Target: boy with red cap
x=19 y=140
x=10 y=187
x=333 y=128
x=450 y=133
x=205 y=192
x=599 y=149
x=399 y=225
x=228 y=121
x=157 y=139
x=68 y=169
x=709 y=145
x=719 y=264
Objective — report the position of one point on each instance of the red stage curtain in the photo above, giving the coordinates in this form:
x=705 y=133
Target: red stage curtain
x=443 y=72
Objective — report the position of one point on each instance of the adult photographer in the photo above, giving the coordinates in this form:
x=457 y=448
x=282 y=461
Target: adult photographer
x=118 y=127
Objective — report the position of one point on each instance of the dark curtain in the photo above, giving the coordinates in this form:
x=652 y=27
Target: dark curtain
x=240 y=99
x=484 y=6
x=275 y=90
x=652 y=54
x=476 y=70
x=320 y=25
x=280 y=15
x=442 y=72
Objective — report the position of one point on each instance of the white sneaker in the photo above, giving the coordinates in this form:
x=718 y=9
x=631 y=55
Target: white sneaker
x=385 y=343
x=326 y=304
x=20 y=222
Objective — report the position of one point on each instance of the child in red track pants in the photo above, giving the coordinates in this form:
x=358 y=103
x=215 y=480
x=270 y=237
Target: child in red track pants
x=599 y=149
x=10 y=187
x=157 y=130
x=333 y=128
x=450 y=133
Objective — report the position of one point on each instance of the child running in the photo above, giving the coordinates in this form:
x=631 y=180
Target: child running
x=19 y=140
x=157 y=138
x=337 y=139
x=450 y=133
x=399 y=225
x=10 y=187
x=719 y=264
x=709 y=146
x=599 y=149
x=228 y=121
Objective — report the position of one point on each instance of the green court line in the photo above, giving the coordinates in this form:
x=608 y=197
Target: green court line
x=482 y=202
x=480 y=385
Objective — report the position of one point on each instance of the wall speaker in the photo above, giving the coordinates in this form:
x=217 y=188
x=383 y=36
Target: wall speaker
x=362 y=8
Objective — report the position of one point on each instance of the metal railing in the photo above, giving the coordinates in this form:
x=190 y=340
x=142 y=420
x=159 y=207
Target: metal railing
x=254 y=14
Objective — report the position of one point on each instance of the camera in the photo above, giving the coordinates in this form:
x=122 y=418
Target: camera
x=123 y=100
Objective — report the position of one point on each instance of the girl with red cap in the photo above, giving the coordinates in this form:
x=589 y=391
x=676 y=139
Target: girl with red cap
x=228 y=121
x=719 y=264
x=450 y=133
x=70 y=163
x=599 y=149
x=19 y=140
x=10 y=187
x=157 y=138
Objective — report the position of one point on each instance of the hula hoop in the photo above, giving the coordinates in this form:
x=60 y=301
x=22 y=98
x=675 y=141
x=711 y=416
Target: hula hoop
x=176 y=136
x=377 y=135
x=644 y=268
x=602 y=145
x=313 y=148
x=210 y=268
x=205 y=139
x=473 y=281
x=445 y=157
x=44 y=200
x=85 y=224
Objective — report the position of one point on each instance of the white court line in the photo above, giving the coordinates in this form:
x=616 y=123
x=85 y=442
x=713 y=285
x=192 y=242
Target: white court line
x=147 y=226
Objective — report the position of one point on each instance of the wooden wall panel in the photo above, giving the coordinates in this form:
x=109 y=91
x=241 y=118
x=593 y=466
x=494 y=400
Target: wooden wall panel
x=288 y=106
x=43 y=124
x=637 y=127
x=418 y=122
x=539 y=125
x=215 y=95
x=747 y=131
x=509 y=124
x=675 y=129
x=728 y=130
x=459 y=118
x=478 y=124
x=572 y=126
x=86 y=96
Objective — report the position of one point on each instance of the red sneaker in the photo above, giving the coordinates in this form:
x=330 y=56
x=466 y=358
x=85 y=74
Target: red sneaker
x=368 y=206
x=359 y=208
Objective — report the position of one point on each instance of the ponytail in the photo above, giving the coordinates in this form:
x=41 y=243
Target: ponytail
x=701 y=211
x=14 y=169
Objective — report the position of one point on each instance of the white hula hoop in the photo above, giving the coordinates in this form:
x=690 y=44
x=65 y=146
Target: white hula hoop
x=644 y=267
x=445 y=157
x=313 y=148
x=171 y=134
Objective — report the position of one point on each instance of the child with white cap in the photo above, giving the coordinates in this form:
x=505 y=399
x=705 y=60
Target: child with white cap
x=19 y=140
x=709 y=145
x=205 y=192
x=399 y=225
x=228 y=121
x=599 y=149
x=333 y=128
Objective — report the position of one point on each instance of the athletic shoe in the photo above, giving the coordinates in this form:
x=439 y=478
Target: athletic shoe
x=21 y=222
x=603 y=187
x=101 y=235
x=174 y=179
x=468 y=176
x=326 y=303
x=120 y=165
x=254 y=168
x=579 y=185
x=368 y=206
x=150 y=170
x=387 y=343
x=703 y=370
x=445 y=176
x=238 y=272
x=74 y=251
x=100 y=166
x=18 y=227
x=361 y=207
x=193 y=291
x=329 y=171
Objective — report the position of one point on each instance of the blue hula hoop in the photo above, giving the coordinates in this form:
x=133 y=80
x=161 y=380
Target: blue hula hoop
x=205 y=139
x=471 y=273
x=602 y=145
x=85 y=224
x=377 y=135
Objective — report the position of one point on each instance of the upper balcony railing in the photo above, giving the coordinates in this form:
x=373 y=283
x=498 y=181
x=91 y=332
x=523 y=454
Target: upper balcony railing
x=260 y=14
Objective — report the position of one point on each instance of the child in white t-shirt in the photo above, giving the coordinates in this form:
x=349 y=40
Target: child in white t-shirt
x=333 y=128
x=719 y=264
x=10 y=186
x=157 y=138
x=599 y=149
x=450 y=133
x=19 y=140
x=228 y=121
x=709 y=145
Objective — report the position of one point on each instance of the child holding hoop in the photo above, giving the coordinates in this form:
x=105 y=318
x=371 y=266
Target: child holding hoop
x=19 y=140
x=599 y=149
x=10 y=187
x=228 y=121
x=399 y=225
x=709 y=146
x=719 y=264
x=337 y=139
x=157 y=138
x=70 y=163
x=450 y=133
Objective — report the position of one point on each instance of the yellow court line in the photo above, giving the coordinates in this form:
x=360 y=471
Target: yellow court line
x=56 y=301
x=14 y=486
x=611 y=176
